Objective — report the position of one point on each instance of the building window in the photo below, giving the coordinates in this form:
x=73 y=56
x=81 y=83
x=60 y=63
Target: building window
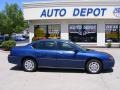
x=47 y=31
x=54 y=31
x=83 y=32
x=112 y=32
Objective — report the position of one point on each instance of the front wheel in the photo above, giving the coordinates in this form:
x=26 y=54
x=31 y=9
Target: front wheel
x=29 y=65
x=93 y=66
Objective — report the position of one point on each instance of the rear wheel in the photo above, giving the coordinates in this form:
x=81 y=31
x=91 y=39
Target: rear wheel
x=94 y=66
x=29 y=65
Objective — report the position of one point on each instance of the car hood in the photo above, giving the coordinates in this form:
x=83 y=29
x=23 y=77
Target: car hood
x=98 y=53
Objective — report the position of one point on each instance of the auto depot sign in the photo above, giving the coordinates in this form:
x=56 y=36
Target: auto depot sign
x=73 y=13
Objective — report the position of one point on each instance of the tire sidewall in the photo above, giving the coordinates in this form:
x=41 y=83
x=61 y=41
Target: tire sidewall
x=35 y=65
x=94 y=60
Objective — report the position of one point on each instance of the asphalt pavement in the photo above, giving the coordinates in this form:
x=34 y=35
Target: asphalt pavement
x=14 y=78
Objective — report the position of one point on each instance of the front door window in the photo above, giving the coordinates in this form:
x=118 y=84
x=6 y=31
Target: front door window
x=65 y=46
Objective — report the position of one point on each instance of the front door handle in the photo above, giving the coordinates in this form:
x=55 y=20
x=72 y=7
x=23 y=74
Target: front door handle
x=60 y=53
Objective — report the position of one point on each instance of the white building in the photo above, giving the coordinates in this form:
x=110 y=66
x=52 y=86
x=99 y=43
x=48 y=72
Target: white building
x=86 y=22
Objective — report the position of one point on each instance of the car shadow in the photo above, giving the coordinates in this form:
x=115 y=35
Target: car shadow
x=60 y=70
x=107 y=71
x=17 y=68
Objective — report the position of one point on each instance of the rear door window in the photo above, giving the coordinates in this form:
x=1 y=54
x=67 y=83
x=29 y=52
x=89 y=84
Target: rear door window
x=45 y=45
x=38 y=45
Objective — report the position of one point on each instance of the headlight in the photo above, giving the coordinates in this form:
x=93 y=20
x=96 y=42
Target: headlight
x=111 y=58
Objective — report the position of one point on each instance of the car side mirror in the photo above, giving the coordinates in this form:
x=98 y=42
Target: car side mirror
x=76 y=51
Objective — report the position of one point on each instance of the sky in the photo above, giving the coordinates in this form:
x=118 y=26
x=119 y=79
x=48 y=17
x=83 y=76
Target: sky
x=19 y=2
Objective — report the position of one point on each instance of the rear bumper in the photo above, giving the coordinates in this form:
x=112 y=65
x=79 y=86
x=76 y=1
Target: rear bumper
x=14 y=60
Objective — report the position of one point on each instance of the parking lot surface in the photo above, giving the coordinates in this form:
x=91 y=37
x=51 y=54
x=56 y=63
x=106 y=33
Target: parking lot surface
x=13 y=78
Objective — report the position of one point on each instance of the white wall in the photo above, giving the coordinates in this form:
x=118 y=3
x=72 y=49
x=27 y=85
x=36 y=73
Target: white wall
x=31 y=30
x=100 y=34
x=105 y=12
x=57 y=3
x=64 y=31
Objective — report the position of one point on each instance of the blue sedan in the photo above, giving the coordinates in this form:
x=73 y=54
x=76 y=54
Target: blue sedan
x=55 y=53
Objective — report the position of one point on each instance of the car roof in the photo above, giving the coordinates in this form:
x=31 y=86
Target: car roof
x=58 y=40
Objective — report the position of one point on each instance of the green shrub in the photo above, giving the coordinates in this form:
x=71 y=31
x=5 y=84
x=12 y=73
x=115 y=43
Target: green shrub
x=7 y=45
x=109 y=45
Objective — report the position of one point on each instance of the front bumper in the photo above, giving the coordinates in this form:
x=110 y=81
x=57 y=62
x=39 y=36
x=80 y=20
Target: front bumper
x=108 y=64
x=14 y=60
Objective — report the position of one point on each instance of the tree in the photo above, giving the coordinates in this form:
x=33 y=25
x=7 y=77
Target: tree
x=2 y=17
x=12 y=20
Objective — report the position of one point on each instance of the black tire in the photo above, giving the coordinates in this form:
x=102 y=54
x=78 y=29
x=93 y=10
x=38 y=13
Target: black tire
x=32 y=65
x=94 y=66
